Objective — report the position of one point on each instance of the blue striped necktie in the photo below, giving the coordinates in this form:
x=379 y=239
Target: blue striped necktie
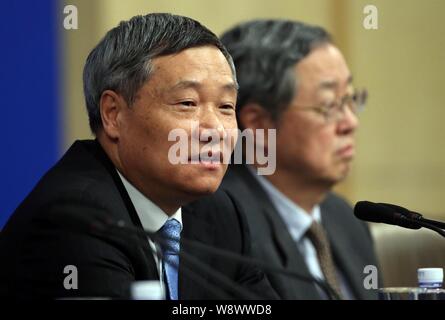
x=169 y=240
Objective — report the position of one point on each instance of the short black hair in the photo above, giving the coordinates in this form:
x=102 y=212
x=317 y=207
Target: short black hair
x=264 y=52
x=122 y=59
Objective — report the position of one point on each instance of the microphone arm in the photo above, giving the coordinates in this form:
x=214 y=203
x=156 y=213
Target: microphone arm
x=431 y=224
x=417 y=218
x=438 y=224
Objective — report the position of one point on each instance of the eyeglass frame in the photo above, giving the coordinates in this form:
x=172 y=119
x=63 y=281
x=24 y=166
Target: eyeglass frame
x=332 y=112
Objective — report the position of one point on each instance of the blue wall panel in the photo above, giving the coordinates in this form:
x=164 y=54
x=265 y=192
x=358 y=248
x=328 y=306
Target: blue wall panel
x=29 y=103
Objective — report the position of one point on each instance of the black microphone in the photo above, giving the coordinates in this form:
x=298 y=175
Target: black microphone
x=382 y=213
x=395 y=215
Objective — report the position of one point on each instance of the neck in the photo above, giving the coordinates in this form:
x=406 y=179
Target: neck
x=304 y=192
x=155 y=195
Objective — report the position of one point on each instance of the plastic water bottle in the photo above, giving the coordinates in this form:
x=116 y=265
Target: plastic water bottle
x=430 y=278
x=430 y=284
x=430 y=287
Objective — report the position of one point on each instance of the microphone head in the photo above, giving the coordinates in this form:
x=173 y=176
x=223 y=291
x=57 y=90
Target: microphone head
x=403 y=211
x=372 y=212
x=382 y=213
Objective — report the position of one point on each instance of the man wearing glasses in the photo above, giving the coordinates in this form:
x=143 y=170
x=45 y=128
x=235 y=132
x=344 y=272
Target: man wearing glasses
x=294 y=80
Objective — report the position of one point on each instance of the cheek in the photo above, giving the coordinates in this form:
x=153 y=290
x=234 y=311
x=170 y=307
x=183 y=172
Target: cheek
x=156 y=134
x=231 y=131
x=134 y=139
x=327 y=139
x=323 y=146
x=139 y=127
x=230 y=123
x=307 y=144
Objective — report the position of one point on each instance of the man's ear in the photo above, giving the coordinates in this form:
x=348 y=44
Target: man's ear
x=253 y=116
x=111 y=105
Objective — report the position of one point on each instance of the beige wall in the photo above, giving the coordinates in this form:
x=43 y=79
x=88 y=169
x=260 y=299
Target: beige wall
x=401 y=158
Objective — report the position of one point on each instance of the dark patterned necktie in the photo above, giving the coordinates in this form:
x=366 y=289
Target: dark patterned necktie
x=319 y=239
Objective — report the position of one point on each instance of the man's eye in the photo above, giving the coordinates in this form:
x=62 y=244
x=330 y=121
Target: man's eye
x=227 y=107
x=354 y=98
x=330 y=105
x=188 y=103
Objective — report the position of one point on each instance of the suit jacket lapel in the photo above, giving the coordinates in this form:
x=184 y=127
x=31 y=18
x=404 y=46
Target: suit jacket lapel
x=197 y=229
x=281 y=237
x=147 y=270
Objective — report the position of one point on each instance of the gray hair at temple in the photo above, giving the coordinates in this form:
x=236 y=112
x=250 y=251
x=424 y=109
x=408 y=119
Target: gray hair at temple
x=264 y=53
x=122 y=60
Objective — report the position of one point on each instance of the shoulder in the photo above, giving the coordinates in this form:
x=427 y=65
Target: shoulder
x=335 y=204
x=78 y=178
x=337 y=210
x=53 y=227
x=334 y=199
x=218 y=209
x=219 y=215
x=244 y=189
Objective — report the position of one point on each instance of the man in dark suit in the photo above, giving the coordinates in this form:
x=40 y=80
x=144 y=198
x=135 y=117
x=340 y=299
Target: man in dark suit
x=296 y=88
x=73 y=236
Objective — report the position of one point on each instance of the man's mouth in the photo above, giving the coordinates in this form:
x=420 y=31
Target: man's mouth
x=347 y=151
x=210 y=159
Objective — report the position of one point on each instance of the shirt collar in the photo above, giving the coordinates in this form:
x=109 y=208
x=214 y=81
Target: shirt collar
x=152 y=217
x=296 y=219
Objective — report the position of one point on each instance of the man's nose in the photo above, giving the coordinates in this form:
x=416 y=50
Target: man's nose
x=210 y=124
x=349 y=122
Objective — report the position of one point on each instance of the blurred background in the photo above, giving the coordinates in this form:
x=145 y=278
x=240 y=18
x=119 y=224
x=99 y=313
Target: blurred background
x=400 y=160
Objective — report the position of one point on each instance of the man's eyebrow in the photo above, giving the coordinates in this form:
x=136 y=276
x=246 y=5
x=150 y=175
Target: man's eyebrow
x=332 y=84
x=186 y=84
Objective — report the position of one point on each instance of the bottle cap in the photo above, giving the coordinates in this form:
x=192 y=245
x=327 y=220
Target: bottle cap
x=147 y=290
x=430 y=277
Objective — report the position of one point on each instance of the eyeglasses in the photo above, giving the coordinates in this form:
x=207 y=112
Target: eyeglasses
x=335 y=110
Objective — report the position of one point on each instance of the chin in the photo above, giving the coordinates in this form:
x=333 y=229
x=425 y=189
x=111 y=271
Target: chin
x=333 y=178
x=201 y=187
x=197 y=183
x=339 y=177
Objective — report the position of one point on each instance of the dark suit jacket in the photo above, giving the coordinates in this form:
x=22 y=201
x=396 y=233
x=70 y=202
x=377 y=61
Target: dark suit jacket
x=350 y=239
x=56 y=226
